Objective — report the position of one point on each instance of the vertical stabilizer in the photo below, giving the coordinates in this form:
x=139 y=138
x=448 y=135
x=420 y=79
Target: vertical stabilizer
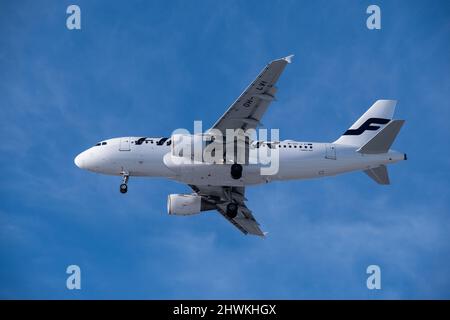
x=369 y=124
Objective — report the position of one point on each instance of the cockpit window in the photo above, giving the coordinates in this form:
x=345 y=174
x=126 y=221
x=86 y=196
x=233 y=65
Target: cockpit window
x=103 y=143
x=98 y=144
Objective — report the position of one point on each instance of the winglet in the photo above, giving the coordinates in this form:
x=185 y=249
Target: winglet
x=288 y=59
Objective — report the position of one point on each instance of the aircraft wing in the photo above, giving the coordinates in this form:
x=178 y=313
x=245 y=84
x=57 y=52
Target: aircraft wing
x=247 y=111
x=221 y=196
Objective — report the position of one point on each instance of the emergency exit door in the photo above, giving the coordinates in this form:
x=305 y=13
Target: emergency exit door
x=124 y=144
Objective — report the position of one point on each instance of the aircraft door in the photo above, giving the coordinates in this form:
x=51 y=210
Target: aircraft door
x=124 y=144
x=330 y=152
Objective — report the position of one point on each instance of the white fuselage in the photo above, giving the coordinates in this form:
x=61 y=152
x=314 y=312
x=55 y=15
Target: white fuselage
x=297 y=160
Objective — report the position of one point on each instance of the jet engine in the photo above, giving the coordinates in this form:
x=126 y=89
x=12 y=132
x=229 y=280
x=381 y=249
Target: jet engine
x=187 y=204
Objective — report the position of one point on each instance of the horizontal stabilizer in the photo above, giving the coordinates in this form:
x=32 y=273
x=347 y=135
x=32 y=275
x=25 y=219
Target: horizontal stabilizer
x=382 y=141
x=379 y=174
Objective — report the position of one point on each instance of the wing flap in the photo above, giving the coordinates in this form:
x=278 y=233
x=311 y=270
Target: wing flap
x=244 y=222
x=221 y=196
x=250 y=226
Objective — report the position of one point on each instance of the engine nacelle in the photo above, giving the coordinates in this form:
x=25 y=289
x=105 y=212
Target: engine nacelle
x=187 y=204
x=183 y=204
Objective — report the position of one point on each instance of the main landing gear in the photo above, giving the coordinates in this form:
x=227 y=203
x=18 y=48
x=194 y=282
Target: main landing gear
x=236 y=171
x=124 y=185
x=232 y=210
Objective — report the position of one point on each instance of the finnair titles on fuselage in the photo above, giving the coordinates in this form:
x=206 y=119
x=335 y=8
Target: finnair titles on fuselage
x=220 y=162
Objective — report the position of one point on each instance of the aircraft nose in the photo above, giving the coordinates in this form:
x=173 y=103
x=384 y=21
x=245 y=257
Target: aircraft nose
x=79 y=161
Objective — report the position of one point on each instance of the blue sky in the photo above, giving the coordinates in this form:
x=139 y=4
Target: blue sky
x=148 y=67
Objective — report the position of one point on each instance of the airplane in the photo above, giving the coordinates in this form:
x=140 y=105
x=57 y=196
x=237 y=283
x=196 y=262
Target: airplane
x=365 y=146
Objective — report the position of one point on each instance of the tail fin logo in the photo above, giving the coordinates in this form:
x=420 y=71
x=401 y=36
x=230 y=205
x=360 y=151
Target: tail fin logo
x=367 y=125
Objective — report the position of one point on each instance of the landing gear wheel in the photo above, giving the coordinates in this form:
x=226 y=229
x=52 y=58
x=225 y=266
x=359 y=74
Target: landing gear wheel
x=232 y=210
x=236 y=171
x=123 y=188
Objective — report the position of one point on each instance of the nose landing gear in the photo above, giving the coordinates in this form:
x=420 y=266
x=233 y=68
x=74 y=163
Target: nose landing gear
x=124 y=185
